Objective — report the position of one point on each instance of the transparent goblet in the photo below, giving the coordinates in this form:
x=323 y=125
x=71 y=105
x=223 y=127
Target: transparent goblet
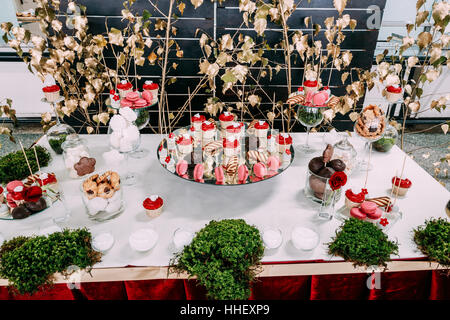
x=310 y=117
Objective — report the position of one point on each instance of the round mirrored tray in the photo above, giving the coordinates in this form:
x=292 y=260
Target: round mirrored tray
x=257 y=155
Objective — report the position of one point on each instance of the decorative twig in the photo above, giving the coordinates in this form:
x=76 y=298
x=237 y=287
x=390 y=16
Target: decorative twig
x=26 y=158
x=368 y=165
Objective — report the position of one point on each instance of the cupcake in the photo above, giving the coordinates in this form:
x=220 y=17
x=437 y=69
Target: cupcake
x=208 y=130
x=171 y=141
x=310 y=86
x=185 y=144
x=153 y=89
x=226 y=119
x=393 y=93
x=197 y=120
x=51 y=93
x=261 y=128
x=153 y=206
x=230 y=147
x=283 y=141
x=124 y=87
x=235 y=130
x=400 y=186
x=353 y=200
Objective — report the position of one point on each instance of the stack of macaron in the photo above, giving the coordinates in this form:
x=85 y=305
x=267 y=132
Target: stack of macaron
x=367 y=210
x=134 y=100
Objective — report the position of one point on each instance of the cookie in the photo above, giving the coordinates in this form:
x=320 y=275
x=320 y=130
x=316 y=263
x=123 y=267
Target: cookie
x=105 y=190
x=90 y=188
x=115 y=180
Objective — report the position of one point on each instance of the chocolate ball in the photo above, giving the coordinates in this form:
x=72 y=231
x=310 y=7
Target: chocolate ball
x=20 y=212
x=326 y=172
x=337 y=165
x=37 y=206
x=316 y=164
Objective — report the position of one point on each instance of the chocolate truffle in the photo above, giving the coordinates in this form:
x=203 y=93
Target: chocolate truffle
x=20 y=212
x=37 y=206
x=326 y=172
x=316 y=164
x=337 y=165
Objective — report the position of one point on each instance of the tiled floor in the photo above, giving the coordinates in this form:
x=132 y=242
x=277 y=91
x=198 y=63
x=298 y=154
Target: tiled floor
x=427 y=149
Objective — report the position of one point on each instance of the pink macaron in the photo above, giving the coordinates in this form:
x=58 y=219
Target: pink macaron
x=273 y=163
x=260 y=170
x=198 y=173
x=369 y=207
x=218 y=171
x=181 y=167
x=139 y=103
x=357 y=213
x=376 y=215
x=132 y=96
x=242 y=173
x=148 y=96
x=126 y=103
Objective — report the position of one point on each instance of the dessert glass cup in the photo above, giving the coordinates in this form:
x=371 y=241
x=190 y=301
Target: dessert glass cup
x=153 y=213
x=177 y=233
x=310 y=233
x=105 y=214
x=364 y=164
x=142 y=120
x=128 y=178
x=387 y=141
x=96 y=245
x=57 y=135
x=318 y=189
x=399 y=191
x=276 y=232
x=143 y=244
x=309 y=117
x=74 y=147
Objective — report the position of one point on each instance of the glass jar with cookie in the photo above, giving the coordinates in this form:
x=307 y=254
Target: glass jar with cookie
x=102 y=196
x=369 y=126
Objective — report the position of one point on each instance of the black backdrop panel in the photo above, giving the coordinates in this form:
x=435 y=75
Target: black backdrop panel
x=216 y=20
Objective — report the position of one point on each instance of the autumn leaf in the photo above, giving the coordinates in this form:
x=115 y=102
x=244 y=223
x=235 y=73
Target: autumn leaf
x=197 y=3
x=444 y=128
x=353 y=116
x=260 y=25
x=180 y=53
x=254 y=100
x=421 y=17
x=340 y=5
x=424 y=39
x=89 y=130
x=181 y=7
x=152 y=57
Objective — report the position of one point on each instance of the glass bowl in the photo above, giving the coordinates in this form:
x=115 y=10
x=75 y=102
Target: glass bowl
x=105 y=207
x=318 y=189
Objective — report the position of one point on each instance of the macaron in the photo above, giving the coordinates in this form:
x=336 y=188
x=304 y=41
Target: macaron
x=369 y=207
x=181 y=167
x=376 y=215
x=260 y=170
x=242 y=173
x=198 y=172
x=273 y=163
x=126 y=103
x=357 y=213
x=218 y=171
x=140 y=103
x=148 y=96
x=132 y=96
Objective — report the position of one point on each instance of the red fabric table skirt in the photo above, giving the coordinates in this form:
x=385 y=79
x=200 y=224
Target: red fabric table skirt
x=434 y=285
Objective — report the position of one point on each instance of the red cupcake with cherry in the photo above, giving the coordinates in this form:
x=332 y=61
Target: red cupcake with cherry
x=153 y=206
x=51 y=92
x=393 y=93
x=400 y=186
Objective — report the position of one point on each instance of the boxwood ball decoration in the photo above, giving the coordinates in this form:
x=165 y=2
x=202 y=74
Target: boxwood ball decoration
x=224 y=256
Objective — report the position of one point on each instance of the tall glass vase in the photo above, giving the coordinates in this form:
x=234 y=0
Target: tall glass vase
x=310 y=117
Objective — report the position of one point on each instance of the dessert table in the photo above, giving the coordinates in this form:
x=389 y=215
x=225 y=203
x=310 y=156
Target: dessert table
x=278 y=202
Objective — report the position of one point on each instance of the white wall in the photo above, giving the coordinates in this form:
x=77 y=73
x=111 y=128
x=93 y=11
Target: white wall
x=23 y=87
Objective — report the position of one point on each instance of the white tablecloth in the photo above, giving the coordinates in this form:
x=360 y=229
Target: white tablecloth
x=278 y=202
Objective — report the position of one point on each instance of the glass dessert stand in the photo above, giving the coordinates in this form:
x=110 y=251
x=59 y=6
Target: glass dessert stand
x=255 y=159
